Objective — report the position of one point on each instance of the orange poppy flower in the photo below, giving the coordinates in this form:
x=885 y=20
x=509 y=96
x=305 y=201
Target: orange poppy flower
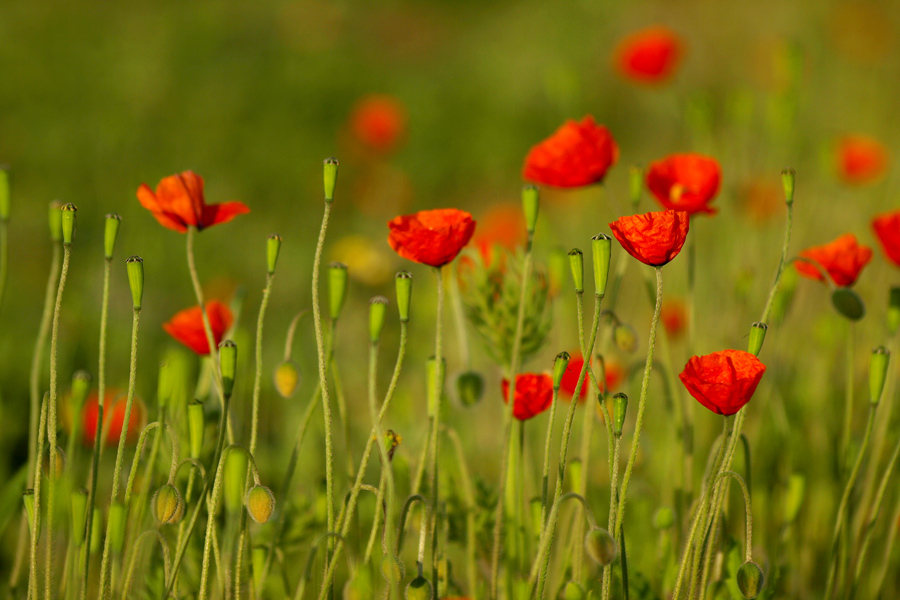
x=674 y=317
x=860 y=159
x=687 y=182
x=843 y=259
x=654 y=238
x=431 y=237
x=723 y=381
x=887 y=229
x=576 y=154
x=187 y=326
x=502 y=225
x=650 y=55
x=615 y=374
x=534 y=394
x=179 y=203
x=113 y=418
x=378 y=122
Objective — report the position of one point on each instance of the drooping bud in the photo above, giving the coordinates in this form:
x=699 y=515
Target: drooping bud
x=664 y=518
x=95 y=532
x=337 y=289
x=331 y=171
x=68 y=223
x=560 y=364
x=601 y=245
x=626 y=338
x=235 y=475
x=848 y=303
x=196 y=428
x=635 y=184
x=530 y=205
x=434 y=383
x=135 y=267
x=4 y=192
x=469 y=388
x=168 y=505
x=110 y=233
x=878 y=368
x=576 y=263
x=419 y=589
x=60 y=463
x=28 y=499
x=392 y=569
x=757 y=337
x=116 y=526
x=377 y=312
x=403 y=280
x=600 y=546
x=81 y=385
x=620 y=407
x=54 y=220
x=78 y=501
x=573 y=591
x=228 y=364
x=787 y=180
x=260 y=503
x=286 y=378
x=750 y=580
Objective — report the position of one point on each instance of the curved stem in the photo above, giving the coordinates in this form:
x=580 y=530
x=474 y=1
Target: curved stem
x=129 y=573
x=407 y=506
x=129 y=486
x=784 y=250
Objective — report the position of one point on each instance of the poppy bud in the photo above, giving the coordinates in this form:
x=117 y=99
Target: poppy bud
x=258 y=561
x=787 y=180
x=419 y=589
x=793 y=498
x=560 y=364
x=878 y=367
x=60 y=463
x=573 y=591
x=893 y=315
x=434 y=383
x=757 y=337
x=54 y=218
x=377 y=310
x=4 y=192
x=286 y=378
x=530 y=204
x=196 y=427
x=234 y=477
x=469 y=388
x=576 y=263
x=848 y=303
x=337 y=288
x=95 y=532
x=28 y=498
x=750 y=580
x=360 y=587
x=575 y=474
x=168 y=505
x=635 y=184
x=664 y=518
x=78 y=501
x=68 y=223
x=110 y=233
x=404 y=291
x=81 y=385
x=392 y=569
x=331 y=171
x=626 y=338
x=260 y=503
x=601 y=245
x=620 y=406
x=273 y=247
x=134 y=265
x=116 y=526
x=600 y=546
x=228 y=364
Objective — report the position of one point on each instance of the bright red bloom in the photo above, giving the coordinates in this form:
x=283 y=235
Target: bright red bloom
x=860 y=159
x=843 y=259
x=674 y=317
x=650 y=55
x=113 y=419
x=653 y=238
x=431 y=237
x=576 y=154
x=179 y=203
x=534 y=394
x=723 y=381
x=378 y=122
x=687 y=182
x=615 y=374
x=187 y=326
x=887 y=228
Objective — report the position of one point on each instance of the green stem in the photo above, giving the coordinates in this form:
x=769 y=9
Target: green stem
x=613 y=497
x=459 y=319
x=257 y=379
x=468 y=495
x=4 y=257
x=848 y=399
x=545 y=477
x=435 y=404
x=129 y=573
x=36 y=521
x=207 y=328
x=784 y=250
x=888 y=550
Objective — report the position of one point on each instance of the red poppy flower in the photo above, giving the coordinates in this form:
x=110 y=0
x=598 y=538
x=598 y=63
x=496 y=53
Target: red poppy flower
x=687 y=182
x=187 y=326
x=378 y=122
x=887 y=228
x=179 y=203
x=113 y=418
x=502 y=225
x=654 y=238
x=674 y=317
x=576 y=154
x=860 y=159
x=650 y=55
x=723 y=381
x=615 y=374
x=843 y=259
x=431 y=237
x=534 y=394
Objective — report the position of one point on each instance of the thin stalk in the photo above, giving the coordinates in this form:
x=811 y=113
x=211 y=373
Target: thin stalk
x=207 y=328
x=436 y=419
x=784 y=250
x=257 y=378
x=376 y=521
x=888 y=550
x=848 y=398
x=36 y=521
x=691 y=290
x=468 y=495
x=462 y=337
x=613 y=497
x=4 y=257
x=129 y=572
x=545 y=477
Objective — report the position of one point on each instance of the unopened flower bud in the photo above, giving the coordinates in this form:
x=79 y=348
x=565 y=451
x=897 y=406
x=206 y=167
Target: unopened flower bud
x=68 y=223
x=878 y=368
x=260 y=503
x=469 y=388
x=377 y=312
x=110 y=233
x=286 y=378
x=403 y=280
x=168 y=505
x=196 y=427
x=750 y=580
x=757 y=337
x=600 y=546
x=576 y=263
x=635 y=184
x=787 y=180
x=530 y=204
x=273 y=247
x=337 y=288
x=848 y=303
x=28 y=499
x=573 y=591
x=392 y=569
x=81 y=385
x=626 y=338
x=664 y=518
x=235 y=475
x=560 y=364
x=331 y=171
x=620 y=406
x=601 y=245
x=228 y=364
x=4 y=192
x=78 y=501
x=54 y=220
x=116 y=526
x=434 y=383
x=419 y=589
x=134 y=265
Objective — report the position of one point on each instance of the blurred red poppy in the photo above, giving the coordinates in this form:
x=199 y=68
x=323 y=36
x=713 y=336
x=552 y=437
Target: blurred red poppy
x=843 y=259
x=654 y=238
x=576 y=154
x=723 y=381
x=378 y=122
x=860 y=159
x=179 y=203
x=687 y=182
x=431 y=237
x=501 y=225
x=615 y=374
x=534 y=394
x=113 y=418
x=673 y=315
x=887 y=228
x=187 y=326
x=650 y=55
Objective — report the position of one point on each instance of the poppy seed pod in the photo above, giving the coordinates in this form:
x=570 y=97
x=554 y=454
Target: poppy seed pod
x=573 y=591
x=273 y=247
x=168 y=505
x=78 y=501
x=635 y=184
x=620 y=406
x=228 y=364
x=196 y=427
x=403 y=280
x=601 y=246
x=392 y=569
x=530 y=205
x=286 y=378
x=750 y=580
x=28 y=499
x=377 y=312
x=330 y=177
x=469 y=388
x=893 y=315
x=787 y=181
x=878 y=368
x=576 y=263
x=434 y=382
x=260 y=503
x=110 y=233
x=68 y=223
x=337 y=289
x=757 y=337
x=560 y=364
x=54 y=220
x=116 y=526
x=4 y=192
x=419 y=589
x=600 y=546
x=134 y=265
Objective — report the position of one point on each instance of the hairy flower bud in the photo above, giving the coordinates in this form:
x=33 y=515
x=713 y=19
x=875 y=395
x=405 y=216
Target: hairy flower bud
x=286 y=378
x=260 y=503
x=404 y=292
x=750 y=580
x=600 y=546
x=559 y=368
x=168 y=505
x=469 y=388
x=601 y=247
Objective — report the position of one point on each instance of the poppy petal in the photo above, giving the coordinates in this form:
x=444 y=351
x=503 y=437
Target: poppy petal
x=213 y=214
